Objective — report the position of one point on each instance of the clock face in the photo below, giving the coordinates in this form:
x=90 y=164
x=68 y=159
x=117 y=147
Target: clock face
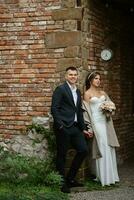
x=106 y=54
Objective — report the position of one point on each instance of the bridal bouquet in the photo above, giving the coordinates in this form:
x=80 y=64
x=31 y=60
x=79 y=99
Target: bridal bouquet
x=108 y=108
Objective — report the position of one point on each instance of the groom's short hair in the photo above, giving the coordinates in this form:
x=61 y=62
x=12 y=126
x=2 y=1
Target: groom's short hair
x=71 y=68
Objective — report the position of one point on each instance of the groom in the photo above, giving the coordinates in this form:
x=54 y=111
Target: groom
x=69 y=127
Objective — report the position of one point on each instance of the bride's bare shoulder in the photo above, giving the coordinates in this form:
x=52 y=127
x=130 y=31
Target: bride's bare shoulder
x=103 y=93
x=87 y=95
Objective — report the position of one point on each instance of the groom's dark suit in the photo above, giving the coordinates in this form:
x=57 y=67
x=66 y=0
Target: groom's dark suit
x=67 y=130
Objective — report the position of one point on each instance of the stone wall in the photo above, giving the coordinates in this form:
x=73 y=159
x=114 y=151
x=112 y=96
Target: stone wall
x=31 y=144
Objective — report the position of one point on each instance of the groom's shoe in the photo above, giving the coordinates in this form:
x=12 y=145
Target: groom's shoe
x=92 y=177
x=65 y=188
x=74 y=183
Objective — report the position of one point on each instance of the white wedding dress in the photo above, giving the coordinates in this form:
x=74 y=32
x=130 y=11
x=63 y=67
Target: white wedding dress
x=106 y=166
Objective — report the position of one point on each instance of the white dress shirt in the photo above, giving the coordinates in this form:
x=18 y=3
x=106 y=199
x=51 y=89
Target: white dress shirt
x=75 y=97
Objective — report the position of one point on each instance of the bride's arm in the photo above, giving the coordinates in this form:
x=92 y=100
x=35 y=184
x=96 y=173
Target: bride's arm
x=106 y=95
x=87 y=117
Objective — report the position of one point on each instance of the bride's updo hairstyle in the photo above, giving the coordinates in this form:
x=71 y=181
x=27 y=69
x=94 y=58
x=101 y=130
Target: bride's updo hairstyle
x=89 y=79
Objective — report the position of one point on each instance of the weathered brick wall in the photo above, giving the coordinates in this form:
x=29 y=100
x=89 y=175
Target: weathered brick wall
x=126 y=125
x=111 y=28
x=26 y=66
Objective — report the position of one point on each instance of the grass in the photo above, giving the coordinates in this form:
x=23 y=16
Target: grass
x=27 y=192
x=94 y=185
x=10 y=191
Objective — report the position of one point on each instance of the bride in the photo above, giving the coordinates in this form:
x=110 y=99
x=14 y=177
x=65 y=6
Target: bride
x=105 y=139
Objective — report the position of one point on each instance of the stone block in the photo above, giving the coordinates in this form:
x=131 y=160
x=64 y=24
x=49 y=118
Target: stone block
x=85 y=4
x=67 y=14
x=85 y=64
x=66 y=62
x=85 y=25
x=85 y=53
x=68 y=3
x=70 y=25
x=72 y=52
x=63 y=39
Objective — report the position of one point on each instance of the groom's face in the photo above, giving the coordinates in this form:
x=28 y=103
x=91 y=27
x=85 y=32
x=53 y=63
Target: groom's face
x=71 y=76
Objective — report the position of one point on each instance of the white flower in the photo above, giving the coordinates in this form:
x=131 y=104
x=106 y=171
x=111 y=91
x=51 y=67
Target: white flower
x=108 y=108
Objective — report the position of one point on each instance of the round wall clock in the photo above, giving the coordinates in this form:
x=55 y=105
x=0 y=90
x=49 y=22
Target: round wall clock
x=106 y=54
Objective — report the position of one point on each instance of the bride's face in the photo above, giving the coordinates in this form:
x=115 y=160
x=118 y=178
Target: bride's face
x=96 y=81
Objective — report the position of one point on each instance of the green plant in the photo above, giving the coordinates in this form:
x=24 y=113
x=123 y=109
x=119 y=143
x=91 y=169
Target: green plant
x=7 y=196
x=28 y=192
x=53 y=179
x=52 y=195
x=92 y=185
x=48 y=134
x=15 y=168
x=11 y=196
x=29 y=178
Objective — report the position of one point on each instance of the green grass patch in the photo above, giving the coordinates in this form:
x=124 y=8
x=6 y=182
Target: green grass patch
x=27 y=192
x=94 y=185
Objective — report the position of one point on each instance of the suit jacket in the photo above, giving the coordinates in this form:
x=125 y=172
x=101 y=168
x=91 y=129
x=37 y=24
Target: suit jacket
x=63 y=108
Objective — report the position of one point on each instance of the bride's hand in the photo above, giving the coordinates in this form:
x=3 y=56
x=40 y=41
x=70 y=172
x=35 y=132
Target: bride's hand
x=88 y=134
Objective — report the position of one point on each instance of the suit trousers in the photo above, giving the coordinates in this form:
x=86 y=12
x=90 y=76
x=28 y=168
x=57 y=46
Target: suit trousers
x=64 y=138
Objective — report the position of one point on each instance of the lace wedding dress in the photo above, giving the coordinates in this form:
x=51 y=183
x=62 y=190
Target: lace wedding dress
x=106 y=166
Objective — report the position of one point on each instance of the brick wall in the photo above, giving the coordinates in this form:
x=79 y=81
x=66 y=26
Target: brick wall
x=112 y=28
x=26 y=66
